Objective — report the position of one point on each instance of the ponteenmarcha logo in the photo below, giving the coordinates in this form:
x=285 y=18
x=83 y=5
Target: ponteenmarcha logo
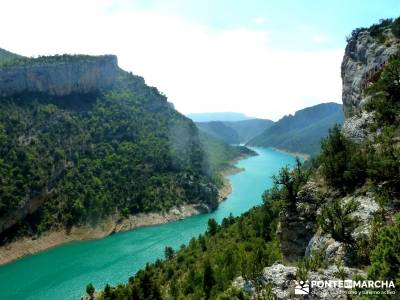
x=305 y=287
x=302 y=287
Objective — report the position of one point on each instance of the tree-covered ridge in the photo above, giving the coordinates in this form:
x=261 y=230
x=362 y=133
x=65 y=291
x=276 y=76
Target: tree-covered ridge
x=378 y=30
x=7 y=56
x=73 y=160
x=303 y=131
x=17 y=60
x=221 y=155
x=248 y=129
x=235 y=132
x=219 y=130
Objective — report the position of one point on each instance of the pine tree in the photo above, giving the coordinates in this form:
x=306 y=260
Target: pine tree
x=208 y=279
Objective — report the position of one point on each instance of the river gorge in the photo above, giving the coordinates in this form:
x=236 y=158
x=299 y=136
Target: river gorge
x=63 y=272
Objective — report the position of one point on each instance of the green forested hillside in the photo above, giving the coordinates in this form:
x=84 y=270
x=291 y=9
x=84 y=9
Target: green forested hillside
x=205 y=268
x=76 y=159
x=248 y=129
x=235 y=132
x=221 y=155
x=7 y=56
x=220 y=131
x=303 y=131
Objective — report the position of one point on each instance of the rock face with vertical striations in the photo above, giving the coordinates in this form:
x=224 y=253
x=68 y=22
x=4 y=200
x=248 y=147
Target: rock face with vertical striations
x=58 y=75
x=364 y=57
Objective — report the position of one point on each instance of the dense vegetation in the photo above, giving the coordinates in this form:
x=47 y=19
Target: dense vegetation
x=221 y=155
x=347 y=165
x=7 y=56
x=377 y=30
x=14 y=60
x=77 y=159
x=303 y=131
x=373 y=165
x=205 y=268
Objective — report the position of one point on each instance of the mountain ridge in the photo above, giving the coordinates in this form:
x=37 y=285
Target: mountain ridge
x=100 y=143
x=58 y=75
x=235 y=132
x=303 y=131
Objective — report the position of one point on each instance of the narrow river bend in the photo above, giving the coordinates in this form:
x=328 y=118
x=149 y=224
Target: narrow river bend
x=64 y=271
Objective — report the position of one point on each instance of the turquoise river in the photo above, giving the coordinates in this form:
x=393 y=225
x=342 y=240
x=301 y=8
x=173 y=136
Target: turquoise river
x=63 y=272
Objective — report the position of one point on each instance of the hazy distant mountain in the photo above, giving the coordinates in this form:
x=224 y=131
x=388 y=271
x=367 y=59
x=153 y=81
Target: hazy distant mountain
x=235 y=132
x=218 y=116
x=249 y=129
x=220 y=131
x=303 y=131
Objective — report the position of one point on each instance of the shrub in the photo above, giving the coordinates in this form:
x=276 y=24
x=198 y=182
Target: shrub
x=336 y=219
x=169 y=252
x=90 y=290
x=385 y=259
x=212 y=227
x=376 y=30
x=385 y=95
x=208 y=279
x=290 y=182
x=303 y=268
x=396 y=28
x=343 y=162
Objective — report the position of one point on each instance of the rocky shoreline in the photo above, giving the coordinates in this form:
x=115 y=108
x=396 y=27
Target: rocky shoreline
x=303 y=156
x=29 y=246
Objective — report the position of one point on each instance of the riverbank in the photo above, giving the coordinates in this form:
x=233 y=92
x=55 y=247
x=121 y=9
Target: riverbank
x=28 y=246
x=301 y=155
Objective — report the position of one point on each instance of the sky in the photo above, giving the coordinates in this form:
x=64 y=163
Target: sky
x=263 y=58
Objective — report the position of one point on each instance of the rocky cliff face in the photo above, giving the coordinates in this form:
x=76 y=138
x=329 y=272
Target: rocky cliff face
x=59 y=77
x=364 y=57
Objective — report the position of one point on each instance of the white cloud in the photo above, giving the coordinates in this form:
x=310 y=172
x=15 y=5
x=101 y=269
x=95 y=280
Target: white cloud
x=320 y=38
x=197 y=67
x=260 y=20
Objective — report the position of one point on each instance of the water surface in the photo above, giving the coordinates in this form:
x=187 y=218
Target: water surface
x=64 y=271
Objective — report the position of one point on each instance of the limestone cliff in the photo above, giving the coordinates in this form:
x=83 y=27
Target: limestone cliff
x=364 y=57
x=58 y=76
